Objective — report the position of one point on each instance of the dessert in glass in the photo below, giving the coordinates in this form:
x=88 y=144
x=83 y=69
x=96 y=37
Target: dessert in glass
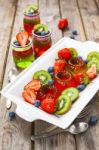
x=41 y=39
x=22 y=50
x=31 y=18
x=63 y=80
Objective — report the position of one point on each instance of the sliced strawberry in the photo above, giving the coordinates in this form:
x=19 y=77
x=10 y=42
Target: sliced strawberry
x=49 y=105
x=59 y=65
x=63 y=23
x=29 y=96
x=34 y=85
x=65 y=53
x=92 y=72
x=22 y=37
x=78 y=78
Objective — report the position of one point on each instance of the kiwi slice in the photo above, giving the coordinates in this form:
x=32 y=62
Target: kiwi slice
x=72 y=93
x=63 y=104
x=31 y=8
x=93 y=62
x=43 y=76
x=86 y=79
x=74 y=52
x=93 y=55
x=40 y=28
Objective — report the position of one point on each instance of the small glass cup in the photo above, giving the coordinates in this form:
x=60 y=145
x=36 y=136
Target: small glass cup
x=22 y=56
x=30 y=20
x=63 y=80
x=41 y=43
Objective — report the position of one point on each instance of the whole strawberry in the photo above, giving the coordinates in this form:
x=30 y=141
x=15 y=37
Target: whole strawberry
x=63 y=23
x=59 y=65
x=65 y=53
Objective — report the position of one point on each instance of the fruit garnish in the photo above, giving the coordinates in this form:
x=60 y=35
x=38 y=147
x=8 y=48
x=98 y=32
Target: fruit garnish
x=92 y=72
x=81 y=87
x=85 y=79
x=31 y=8
x=78 y=78
x=50 y=69
x=63 y=104
x=59 y=65
x=22 y=37
x=65 y=53
x=93 y=62
x=37 y=103
x=74 y=52
x=48 y=105
x=39 y=28
x=74 y=32
x=34 y=85
x=93 y=56
x=63 y=23
x=73 y=93
x=43 y=76
x=29 y=96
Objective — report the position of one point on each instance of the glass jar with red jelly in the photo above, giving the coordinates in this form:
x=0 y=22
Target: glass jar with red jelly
x=22 y=56
x=31 y=18
x=63 y=80
x=41 y=39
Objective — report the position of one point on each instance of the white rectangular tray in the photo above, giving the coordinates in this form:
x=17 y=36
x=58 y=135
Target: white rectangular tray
x=29 y=112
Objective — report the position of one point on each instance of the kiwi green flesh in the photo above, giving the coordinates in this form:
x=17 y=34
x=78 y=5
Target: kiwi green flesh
x=31 y=8
x=93 y=62
x=72 y=93
x=63 y=105
x=86 y=80
x=93 y=55
x=74 y=52
x=43 y=76
x=41 y=27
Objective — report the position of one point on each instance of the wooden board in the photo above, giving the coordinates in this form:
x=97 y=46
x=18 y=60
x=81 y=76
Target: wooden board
x=14 y=135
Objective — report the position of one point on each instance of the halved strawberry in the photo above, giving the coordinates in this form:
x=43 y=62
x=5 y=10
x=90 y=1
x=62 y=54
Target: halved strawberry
x=29 y=96
x=34 y=85
x=92 y=72
x=63 y=23
x=49 y=105
x=59 y=65
x=22 y=37
x=65 y=53
x=78 y=78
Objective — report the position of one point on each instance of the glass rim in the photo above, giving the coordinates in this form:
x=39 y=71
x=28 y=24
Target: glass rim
x=41 y=36
x=14 y=40
x=81 y=62
x=32 y=15
x=60 y=80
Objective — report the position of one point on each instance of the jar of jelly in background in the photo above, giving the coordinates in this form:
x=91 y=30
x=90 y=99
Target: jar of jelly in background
x=41 y=39
x=31 y=18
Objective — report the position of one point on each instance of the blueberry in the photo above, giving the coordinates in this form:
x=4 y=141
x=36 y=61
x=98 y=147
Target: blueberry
x=81 y=87
x=72 y=37
x=93 y=120
x=52 y=74
x=37 y=103
x=11 y=115
x=16 y=43
x=50 y=82
x=74 y=32
x=86 y=61
x=50 y=69
x=43 y=33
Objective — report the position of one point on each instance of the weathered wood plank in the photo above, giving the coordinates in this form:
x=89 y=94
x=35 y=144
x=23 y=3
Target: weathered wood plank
x=90 y=17
x=70 y=11
x=7 y=10
x=14 y=135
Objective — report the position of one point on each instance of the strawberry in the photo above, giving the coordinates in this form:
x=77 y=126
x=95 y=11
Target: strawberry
x=65 y=53
x=63 y=23
x=92 y=72
x=59 y=65
x=29 y=96
x=48 y=105
x=22 y=37
x=34 y=85
x=78 y=78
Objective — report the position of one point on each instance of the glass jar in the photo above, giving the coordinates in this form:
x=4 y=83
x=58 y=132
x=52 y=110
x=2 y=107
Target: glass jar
x=30 y=20
x=22 y=56
x=63 y=80
x=41 y=43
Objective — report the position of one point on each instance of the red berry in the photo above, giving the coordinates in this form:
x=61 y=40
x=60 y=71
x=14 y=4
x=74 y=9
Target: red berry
x=34 y=85
x=78 y=78
x=63 y=23
x=92 y=72
x=65 y=53
x=48 y=105
x=59 y=65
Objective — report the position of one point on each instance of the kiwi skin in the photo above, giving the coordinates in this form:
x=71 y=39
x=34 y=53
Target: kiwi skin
x=67 y=104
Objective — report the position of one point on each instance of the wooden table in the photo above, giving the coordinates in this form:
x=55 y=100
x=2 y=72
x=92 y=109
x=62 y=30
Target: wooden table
x=83 y=15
